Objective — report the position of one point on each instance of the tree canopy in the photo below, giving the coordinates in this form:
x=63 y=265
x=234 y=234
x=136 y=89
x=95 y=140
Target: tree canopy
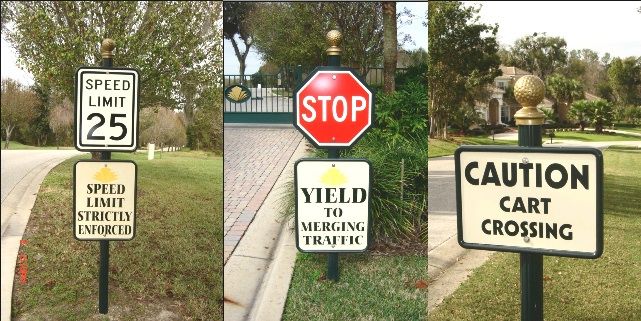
x=168 y=42
x=539 y=54
x=462 y=60
x=278 y=25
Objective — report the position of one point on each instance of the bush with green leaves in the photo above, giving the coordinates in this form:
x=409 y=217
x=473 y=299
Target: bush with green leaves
x=599 y=113
x=402 y=113
x=399 y=186
x=628 y=114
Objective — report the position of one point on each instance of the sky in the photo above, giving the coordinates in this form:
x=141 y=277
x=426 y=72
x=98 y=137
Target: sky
x=9 y=67
x=415 y=29
x=603 y=26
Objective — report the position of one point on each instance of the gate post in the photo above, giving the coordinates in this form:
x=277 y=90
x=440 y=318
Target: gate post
x=529 y=92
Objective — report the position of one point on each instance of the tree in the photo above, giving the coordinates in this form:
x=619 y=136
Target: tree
x=206 y=131
x=390 y=46
x=276 y=26
x=236 y=23
x=162 y=127
x=598 y=112
x=624 y=77
x=579 y=112
x=538 y=54
x=163 y=40
x=61 y=120
x=462 y=60
x=564 y=91
x=18 y=107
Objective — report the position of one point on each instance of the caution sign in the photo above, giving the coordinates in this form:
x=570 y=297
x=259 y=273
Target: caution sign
x=332 y=205
x=536 y=200
x=104 y=200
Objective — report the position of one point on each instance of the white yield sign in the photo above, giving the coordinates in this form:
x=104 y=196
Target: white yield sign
x=104 y=200
x=535 y=200
x=106 y=111
x=332 y=205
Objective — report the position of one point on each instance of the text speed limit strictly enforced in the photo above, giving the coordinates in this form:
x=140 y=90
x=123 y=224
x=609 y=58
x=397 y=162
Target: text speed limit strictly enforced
x=106 y=109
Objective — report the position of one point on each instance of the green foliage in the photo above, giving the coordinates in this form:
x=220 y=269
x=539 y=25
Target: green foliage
x=206 y=131
x=416 y=73
x=402 y=113
x=629 y=114
x=18 y=107
x=399 y=184
x=599 y=113
x=170 y=43
x=539 y=54
x=462 y=59
x=625 y=80
x=564 y=91
x=277 y=25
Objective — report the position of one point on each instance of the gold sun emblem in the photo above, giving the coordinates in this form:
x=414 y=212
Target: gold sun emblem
x=105 y=175
x=333 y=177
x=237 y=94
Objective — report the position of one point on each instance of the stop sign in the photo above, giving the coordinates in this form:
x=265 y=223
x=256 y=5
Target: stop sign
x=333 y=107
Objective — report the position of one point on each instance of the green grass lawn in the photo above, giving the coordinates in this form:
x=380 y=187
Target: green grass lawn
x=370 y=287
x=15 y=145
x=608 y=288
x=438 y=147
x=629 y=128
x=592 y=137
x=172 y=266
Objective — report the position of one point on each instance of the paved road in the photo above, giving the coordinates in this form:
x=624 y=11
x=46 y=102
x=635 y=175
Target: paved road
x=441 y=201
x=254 y=159
x=16 y=164
x=22 y=173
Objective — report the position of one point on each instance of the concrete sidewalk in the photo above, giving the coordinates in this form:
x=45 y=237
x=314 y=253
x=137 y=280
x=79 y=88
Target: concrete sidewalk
x=449 y=264
x=258 y=272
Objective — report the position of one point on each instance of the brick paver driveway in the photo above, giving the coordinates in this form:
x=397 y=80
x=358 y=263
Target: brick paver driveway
x=254 y=158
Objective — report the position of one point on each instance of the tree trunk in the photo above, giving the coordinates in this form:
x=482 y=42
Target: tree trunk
x=7 y=131
x=390 y=45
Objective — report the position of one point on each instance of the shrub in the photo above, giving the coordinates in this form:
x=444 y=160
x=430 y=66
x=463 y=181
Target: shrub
x=402 y=113
x=399 y=185
x=599 y=112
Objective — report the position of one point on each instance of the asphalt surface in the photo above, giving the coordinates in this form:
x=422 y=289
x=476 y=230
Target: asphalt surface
x=16 y=164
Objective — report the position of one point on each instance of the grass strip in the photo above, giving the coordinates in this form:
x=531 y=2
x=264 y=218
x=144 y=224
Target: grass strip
x=439 y=147
x=370 y=287
x=173 y=267
x=607 y=288
x=589 y=136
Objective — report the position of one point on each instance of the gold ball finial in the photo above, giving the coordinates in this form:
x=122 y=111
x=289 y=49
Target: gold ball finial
x=334 y=38
x=107 y=47
x=529 y=91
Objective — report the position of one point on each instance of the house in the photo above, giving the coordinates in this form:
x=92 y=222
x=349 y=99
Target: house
x=497 y=111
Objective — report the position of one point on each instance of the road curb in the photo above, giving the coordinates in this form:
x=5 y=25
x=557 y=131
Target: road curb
x=13 y=228
x=258 y=272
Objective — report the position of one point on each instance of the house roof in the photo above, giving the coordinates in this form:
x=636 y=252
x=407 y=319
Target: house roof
x=509 y=71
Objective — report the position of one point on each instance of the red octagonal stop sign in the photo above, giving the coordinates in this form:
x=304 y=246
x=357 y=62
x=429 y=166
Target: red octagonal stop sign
x=333 y=107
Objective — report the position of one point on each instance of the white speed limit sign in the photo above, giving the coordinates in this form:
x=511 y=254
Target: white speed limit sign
x=106 y=114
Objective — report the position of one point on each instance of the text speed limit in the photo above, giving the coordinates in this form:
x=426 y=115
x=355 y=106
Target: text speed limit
x=106 y=112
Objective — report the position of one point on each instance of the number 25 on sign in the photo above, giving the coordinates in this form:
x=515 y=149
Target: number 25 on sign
x=106 y=111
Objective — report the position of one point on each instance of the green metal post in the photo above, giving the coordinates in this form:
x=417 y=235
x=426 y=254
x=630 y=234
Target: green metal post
x=529 y=92
x=103 y=278
x=531 y=264
x=333 y=59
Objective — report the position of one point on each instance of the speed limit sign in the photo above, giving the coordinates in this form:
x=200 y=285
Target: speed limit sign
x=106 y=114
